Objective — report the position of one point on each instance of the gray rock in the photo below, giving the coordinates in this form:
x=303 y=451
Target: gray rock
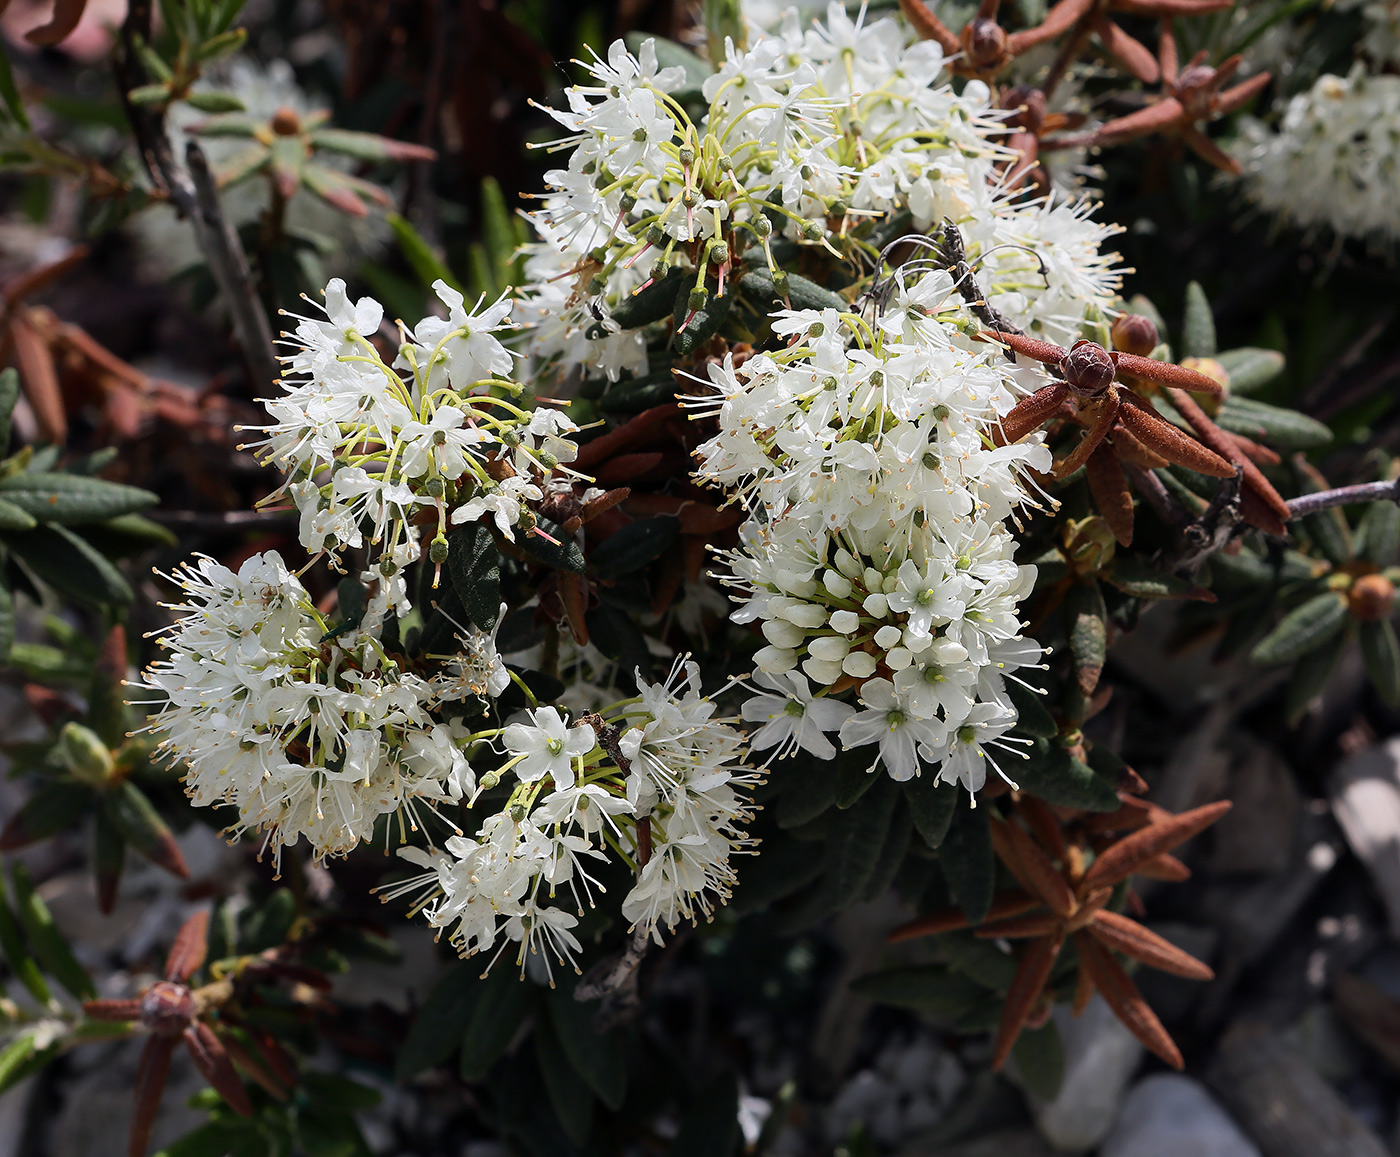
x=1168 y=1115
x=1100 y=1058
x=1366 y=802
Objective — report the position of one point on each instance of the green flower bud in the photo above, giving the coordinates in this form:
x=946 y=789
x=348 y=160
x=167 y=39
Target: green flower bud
x=437 y=550
x=698 y=299
x=719 y=252
x=687 y=156
x=85 y=755
x=388 y=567
x=656 y=235
x=435 y=488
x=762 y=226
x=782 y=282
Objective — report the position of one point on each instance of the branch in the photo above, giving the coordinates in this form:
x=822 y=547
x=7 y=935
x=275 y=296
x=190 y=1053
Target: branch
x=1343 y=496
x=229 y=265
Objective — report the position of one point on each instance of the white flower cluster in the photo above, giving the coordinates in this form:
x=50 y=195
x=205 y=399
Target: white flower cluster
x=660 y=781
x=876 y=557
x=307 y=732
x=808 y=136
x=368 y=444
x=1334 y=162
x=1380 y=43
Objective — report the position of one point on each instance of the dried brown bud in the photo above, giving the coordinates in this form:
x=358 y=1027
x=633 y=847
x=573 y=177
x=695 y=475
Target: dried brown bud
x=285 y=122
x=167 y=1008
x=1089 y=368
x=984 y=42
x=1135 y=334
x=1371 y=598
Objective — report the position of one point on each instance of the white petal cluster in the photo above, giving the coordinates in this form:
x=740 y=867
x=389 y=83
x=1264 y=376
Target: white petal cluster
x=1334 y=161
x=818 y=129
x=305 y=731
x=660 y=780
x=367 y=444
x=877 y=556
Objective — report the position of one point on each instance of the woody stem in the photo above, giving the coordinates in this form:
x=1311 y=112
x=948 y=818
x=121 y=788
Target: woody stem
x=1343 y=496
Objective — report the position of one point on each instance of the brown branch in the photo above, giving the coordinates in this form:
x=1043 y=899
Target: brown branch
x=1343 y=496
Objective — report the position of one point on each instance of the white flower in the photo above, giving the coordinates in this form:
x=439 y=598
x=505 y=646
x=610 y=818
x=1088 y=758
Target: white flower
x=548 y=746
x=890 y=721
x=793 y=719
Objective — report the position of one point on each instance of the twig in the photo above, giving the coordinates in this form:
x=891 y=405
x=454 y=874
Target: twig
x=195 y=196
x=229 y=265
x=1344 y=496
x=1155 y=494
x=1218 y=523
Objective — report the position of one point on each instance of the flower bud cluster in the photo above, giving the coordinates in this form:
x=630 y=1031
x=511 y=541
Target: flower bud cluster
x=657 y=780
x=306 y=730
x=811 y=136
x=877 y=558
x=376 y=450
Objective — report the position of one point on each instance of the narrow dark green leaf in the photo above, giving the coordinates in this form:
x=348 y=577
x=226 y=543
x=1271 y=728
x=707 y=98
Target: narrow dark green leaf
x=569 y=1094
x=966 y=858
x=14 y=1054
x=268 y=926
x=1040 y=1058
x=1382 y=654
x=931 y=803
x=46 y=941
x=1033 y=718
x=1250 y=368
x=7 y=620
x=653 y=303
x=108 y=859
x=71 y=566
x=352 y=600
x=340 y=1092
x=1280 y=428
x=928 y=988
x=13 y=517
x=52 y=808
x=14 y=105
x=857 y=835
x=17 y=956
x=1198 y=326
x=474 y=565
x=786 y=865
x=421 y=256
x=562 y=553
x=1136 y=578
x=1310 y=676
x=757 y=286
x=1303 y=629
x=441 y=1024
x=635 y=545
x=506 y=1000
x=805 y=796
x=854 y=776
x=141 y=826
x=1378 y=535
x=216 y=1139
x=710 y=1127
x=72 y=499
x=599 y=1058
x=892 y=850
x=1055 y=776
x=1086 y=620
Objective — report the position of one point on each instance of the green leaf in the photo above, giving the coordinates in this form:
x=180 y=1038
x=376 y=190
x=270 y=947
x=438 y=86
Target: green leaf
x=1250 y=368
x=351 y=602
x=928 y=988
x=1280 y=428
x=634 y=546
x=222 y=44
x=1136 y=578
x=1303 y=629
x=340 y=1092
x=1198 y=326
x=9 y=395
x=598 y=1057
x=1033 y=718
x=17 y=956
x=149 y=94
x=757 y=286
x=7 y=620
x=49 y=810
x=108 y=859
x=1310 y=675
x=857 y=835
x=967 y=861
x=441 y=1024
x=14 y=105
x=1382 y=654
x=501 y=235
x=563 y=553
x=216 y=1139
x=1057 y=777
x=71 y=499
x=474 y=565
x=710 y=1127
x=208 y=100
x=1378 y=533
x=806 y=797
x=652 y=304
x=695 y=329
x=931 y=803
x=13 y=1057
x=141 y=826
x=787 y=865
x=71 y=566
x=638 y=394
x=854 y=776
x=47 y=943
x=1040 y=1058
x=421 y=256
x=1086 y=619
x=268 y=926
x=506 y=1000
x=891 y=855
x=568 y=1093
